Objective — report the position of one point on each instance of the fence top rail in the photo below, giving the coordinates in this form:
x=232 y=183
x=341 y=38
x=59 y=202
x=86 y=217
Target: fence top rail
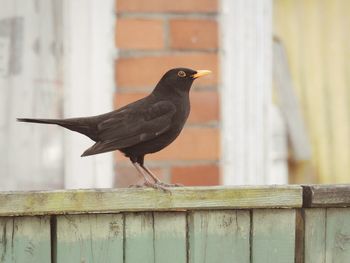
x=178 y=199
x=133 y=200
x=326 y=195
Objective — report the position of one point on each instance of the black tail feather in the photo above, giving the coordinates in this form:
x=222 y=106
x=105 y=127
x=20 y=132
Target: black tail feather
x=81 y=125
x=43 y=121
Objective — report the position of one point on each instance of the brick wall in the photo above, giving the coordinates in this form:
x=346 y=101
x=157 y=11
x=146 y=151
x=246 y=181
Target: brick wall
x=153 y=36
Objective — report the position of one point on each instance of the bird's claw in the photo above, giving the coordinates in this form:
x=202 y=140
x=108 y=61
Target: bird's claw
x=157 y=186
x=170 y=185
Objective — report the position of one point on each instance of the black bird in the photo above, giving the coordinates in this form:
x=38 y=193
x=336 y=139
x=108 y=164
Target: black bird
x=144 y=126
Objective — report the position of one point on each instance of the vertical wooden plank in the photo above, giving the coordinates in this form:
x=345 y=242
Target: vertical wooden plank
x=246 y=90
x=273 y=235
x=315 y=235
x=139 y=238
x=25 y=239
x=338 y=235
x=89 y=85
x=170 y=237
x=90 y=238
x=219 y=236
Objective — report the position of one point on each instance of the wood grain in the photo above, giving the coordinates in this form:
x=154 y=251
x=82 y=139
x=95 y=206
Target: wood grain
x=25 y=239
x=90 y=238
x=119 y=200
x=273 y=235
x=170 y=237
x=139 y=238
x=219 y=236
x=326 y=196
x=246 y=76
x=338 y=235
x=315 y=234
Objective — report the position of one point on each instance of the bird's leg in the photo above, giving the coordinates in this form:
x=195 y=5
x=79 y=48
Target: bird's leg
x=149 y=172
x=156 y=179
x=141 y=172
x=147 y=182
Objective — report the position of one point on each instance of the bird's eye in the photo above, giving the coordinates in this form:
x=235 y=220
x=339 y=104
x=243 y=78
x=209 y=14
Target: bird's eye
x=181 y=74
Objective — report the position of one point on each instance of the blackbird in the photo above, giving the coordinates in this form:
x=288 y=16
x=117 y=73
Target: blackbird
x=144 y=126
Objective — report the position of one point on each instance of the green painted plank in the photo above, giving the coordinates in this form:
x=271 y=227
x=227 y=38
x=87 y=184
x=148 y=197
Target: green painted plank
x=90 y=238
x=219 y=236
x=338 y=235
x=315 y=234
x=170 y=237
x=273 y=235
x=25 y=239
x=130 y=200
x=139 y=238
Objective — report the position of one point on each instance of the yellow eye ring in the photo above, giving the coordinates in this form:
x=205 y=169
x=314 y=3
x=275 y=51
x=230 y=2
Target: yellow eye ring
x=181 y=74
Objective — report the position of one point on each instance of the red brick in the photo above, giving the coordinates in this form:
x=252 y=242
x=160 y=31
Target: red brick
x=143 y=34
x=128 y=175
x=163 y=6
x=192 y=144
x=146 y=71
x=193 y=34
x=204 y=106
x=199 y=113
x=200 y=175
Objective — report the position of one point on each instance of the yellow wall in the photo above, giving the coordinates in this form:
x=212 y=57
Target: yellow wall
x=316 y=34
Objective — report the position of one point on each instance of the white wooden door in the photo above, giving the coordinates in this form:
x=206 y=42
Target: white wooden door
x=56 y=61
x=31 y=85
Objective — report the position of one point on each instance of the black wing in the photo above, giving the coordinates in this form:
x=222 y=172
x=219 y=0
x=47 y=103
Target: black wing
x=132 y=125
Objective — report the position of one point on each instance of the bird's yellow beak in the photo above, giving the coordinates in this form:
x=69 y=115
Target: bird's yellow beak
x=201 y=73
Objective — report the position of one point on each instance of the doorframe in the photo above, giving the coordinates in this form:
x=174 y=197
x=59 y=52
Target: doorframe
x=246 y=64
x=89 y=54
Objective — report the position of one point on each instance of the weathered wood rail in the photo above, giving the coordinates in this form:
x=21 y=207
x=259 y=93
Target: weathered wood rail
x=190 y=225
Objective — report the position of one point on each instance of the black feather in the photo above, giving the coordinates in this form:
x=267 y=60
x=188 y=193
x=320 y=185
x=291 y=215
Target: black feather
x=145 y=126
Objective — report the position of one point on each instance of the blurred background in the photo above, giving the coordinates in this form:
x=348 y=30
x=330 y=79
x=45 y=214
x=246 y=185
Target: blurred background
x=274 y=111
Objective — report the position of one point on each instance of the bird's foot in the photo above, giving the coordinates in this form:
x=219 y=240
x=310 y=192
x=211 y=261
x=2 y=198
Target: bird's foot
x=170 y=185
x=157 y=186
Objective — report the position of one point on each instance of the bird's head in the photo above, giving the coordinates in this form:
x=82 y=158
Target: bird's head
x=179 y=80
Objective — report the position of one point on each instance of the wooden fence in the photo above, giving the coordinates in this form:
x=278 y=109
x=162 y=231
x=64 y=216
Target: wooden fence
x=214 y=224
